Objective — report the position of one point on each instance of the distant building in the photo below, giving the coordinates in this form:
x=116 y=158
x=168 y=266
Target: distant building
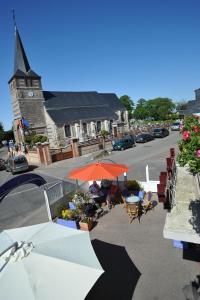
x=60 y=115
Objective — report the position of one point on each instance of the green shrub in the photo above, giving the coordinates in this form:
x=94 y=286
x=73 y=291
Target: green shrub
x=39 y=139
x=134 y=185
x=33 y=139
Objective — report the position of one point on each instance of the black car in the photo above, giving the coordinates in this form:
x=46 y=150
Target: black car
x=131 y=137
x=160 y=132
x=144 y=137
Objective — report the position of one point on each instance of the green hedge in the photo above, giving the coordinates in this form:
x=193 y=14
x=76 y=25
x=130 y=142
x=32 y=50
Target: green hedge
x=33 y=139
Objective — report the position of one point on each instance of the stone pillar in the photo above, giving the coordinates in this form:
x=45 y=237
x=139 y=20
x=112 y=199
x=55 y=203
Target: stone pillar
x=106 y=125
x=93 y=131
x=75 y=150
x=46 y=153
x=89 y=129
x=77 y=128
x=40 y=153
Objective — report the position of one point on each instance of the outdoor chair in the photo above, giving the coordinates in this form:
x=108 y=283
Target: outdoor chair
x=133 y=211
x=147 y=203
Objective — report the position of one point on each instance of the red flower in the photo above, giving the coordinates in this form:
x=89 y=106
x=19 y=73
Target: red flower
x=186 y=135
x=196 y=129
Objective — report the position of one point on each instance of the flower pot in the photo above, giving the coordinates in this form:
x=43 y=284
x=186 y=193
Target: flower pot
x=86 y=226
x=68 y=223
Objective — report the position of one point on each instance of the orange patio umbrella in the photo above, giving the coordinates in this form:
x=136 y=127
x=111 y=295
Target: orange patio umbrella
x=98 y=170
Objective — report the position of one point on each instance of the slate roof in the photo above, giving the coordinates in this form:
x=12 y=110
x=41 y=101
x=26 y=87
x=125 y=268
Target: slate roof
x=21 y=64
x=66 y=107
x=113 y=101
x=21 y=61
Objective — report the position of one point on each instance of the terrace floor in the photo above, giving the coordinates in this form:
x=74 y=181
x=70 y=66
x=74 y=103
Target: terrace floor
x=139 y=263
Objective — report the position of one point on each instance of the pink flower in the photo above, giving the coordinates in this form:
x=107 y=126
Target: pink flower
x=186 y=135
x=198 y=153
x=199 y=121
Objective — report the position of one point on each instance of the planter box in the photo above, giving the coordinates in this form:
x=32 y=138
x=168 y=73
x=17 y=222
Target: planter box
x=86 y=226
x=68 y=223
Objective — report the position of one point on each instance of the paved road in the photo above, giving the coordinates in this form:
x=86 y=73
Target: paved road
x=152 y=153
x=25 y=205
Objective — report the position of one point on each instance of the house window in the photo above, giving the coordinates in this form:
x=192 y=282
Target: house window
x=98 y=126
x=67 y=131
x=85 y=128
x=122 y=116
x=110 y=125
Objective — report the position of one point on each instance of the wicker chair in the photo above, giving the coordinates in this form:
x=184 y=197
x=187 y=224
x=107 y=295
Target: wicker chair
x=148 y=204
x=133 y=211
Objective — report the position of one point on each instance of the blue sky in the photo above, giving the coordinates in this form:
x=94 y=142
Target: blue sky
x=142 y=48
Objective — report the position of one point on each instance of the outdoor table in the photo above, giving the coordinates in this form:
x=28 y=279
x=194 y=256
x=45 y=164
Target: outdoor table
x=133 y=199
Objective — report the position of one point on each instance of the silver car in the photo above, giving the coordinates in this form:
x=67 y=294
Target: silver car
x=175 y=126
x=16 y=164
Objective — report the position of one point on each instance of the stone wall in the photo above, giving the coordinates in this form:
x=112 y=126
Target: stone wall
x=90 y=148
x=33 y=158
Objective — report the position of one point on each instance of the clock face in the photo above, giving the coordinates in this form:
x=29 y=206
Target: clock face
x=30 y=94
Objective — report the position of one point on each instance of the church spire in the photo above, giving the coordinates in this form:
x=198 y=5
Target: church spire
x=21 y=62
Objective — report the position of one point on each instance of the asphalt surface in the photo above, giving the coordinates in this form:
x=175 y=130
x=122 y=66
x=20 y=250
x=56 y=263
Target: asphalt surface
x=153 y=154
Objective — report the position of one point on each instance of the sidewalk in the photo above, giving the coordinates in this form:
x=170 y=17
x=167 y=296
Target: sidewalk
x=139 y=263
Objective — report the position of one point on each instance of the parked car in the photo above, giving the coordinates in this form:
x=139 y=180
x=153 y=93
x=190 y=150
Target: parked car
x=2 y=164
x=123 y=144
x=132 y=137
x=175 y=126
x=144 y=137
x=160 y=132
x=16 y=164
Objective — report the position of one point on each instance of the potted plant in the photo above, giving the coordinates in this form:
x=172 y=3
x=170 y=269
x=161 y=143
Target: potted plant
x=134 y=185
x=69 y=218
x=86 y=223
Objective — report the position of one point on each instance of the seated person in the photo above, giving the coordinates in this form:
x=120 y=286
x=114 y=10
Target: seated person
x=95 y=189
x=105 y=183
x=126 y=192
x=105 y=186
x=110 y=199
x=97 y=194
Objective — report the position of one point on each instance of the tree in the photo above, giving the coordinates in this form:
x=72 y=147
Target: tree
x=157 y=109
x=161 y=108
x=8 y=135
x=104 y=134
x=128 y=103
x=1 y=132
x=141 y=112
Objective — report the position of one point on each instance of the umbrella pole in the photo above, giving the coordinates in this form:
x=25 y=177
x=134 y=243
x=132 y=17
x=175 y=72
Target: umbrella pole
x=77 y=186
x=47 y=205
x=117 y=181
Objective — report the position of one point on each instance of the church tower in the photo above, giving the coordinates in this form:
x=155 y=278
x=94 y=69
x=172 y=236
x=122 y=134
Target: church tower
x=27 y=96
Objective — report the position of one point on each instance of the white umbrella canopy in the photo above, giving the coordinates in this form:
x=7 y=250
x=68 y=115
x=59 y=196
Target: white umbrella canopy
x=51 y=262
